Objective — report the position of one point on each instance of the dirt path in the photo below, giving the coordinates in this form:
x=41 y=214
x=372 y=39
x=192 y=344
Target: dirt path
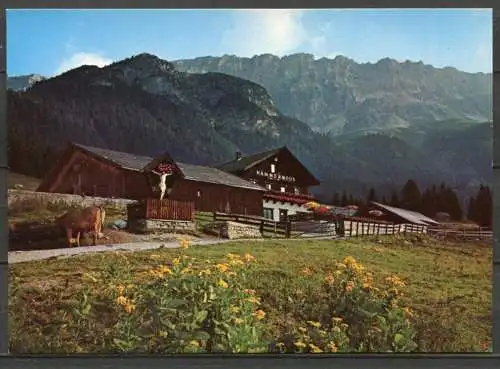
x=24 y=256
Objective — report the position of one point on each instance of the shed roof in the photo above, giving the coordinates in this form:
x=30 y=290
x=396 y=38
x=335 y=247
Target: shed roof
x=411 y=216
x=191 y=172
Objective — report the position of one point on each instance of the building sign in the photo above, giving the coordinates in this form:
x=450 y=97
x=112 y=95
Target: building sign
x=165 y=168
x=275 y=176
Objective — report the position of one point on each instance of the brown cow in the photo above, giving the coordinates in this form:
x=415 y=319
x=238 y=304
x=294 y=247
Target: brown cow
x=90 y=219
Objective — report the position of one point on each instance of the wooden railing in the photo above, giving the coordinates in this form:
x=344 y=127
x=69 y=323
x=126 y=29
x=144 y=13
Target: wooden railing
x=474 y=234
x=166 y=209
x=266 y=226
x=355 y=227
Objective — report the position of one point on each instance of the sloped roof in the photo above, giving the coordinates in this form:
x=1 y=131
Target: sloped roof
x=411 y=216
x=246 y=162
x=191 y=172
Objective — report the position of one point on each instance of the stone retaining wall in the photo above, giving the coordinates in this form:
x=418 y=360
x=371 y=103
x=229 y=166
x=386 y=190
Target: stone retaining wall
x=161 y=225
x=46 y=197
x=233 y=230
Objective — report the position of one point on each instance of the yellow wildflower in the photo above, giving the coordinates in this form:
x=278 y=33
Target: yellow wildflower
x=222 y=283
x=254 y=300
x=222 y=267
x=329 y=279
x=162 y=269
x=184 y=244
x=314 y=324
x=249 y=257
x=204 y=272
x=332 y=346
x=236 y=262
x=341 y=266
x=307 y=271
x=122 y=300
x=234 y=309
x=408 y=311
x=129 y=307
x=349 y=286
x=337 y=320
x=349 y=260
x=259 y=314
x=186 y=270
x=120 y=289
x=314 y=348
x=154 y=256
x=232 y=256
x=395 y=281
x=302 y=329
x=357 y=268
x=194 y=343
x=238 y=321
x=300 y=344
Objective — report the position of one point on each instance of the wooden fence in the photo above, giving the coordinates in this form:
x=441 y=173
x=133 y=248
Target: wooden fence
x=467 y=234
x=267 y=227
x=166 y=209
x=367 y=228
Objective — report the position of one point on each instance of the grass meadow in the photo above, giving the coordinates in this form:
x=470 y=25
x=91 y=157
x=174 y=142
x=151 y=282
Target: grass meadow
x=380 y=294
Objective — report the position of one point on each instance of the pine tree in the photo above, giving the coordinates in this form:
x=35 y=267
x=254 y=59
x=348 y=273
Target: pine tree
x=394 y=201
x=410 y=196
x=471 y=209
x=343 y=200
x=336 y=199
x=372 y=196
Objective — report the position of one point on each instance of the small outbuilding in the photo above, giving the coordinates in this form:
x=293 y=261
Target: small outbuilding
x=400 y=216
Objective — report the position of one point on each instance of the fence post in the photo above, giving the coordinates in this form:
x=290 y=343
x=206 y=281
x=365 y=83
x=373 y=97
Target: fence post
x=288 y=229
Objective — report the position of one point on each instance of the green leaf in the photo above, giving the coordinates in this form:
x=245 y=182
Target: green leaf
x=397 y=338
x=201 y=316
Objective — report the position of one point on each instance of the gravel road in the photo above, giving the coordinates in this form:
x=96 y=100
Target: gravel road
x=31 y=255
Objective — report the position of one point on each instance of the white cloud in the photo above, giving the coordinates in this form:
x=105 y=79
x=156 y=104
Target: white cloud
x=275 y=31
x=78 y=59
x=484 y=57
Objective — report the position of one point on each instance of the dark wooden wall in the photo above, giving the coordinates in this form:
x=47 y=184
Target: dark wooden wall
x=215 y=197
x=287 y=166
x=82 y=174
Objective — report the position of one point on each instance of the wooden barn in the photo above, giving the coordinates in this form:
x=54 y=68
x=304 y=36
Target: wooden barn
x=400 y=216
x=285 y=178
x=101 y=172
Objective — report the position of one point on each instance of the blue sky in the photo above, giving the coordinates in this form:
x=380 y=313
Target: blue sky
x=49 y=42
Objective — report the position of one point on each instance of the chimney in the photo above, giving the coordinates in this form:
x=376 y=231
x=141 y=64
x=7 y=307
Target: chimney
x=238 y=155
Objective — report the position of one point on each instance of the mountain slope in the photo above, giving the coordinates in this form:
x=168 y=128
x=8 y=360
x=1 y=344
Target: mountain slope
x=22 y=83
x=143 y=105
x=341 y=96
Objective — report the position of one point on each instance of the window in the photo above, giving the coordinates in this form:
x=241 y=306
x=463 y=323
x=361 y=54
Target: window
x=283 y=215
x=296 y=190
x=268 y=213
x=282 y=189
x=273 y=168
x=268 y=186
x=198 y=193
